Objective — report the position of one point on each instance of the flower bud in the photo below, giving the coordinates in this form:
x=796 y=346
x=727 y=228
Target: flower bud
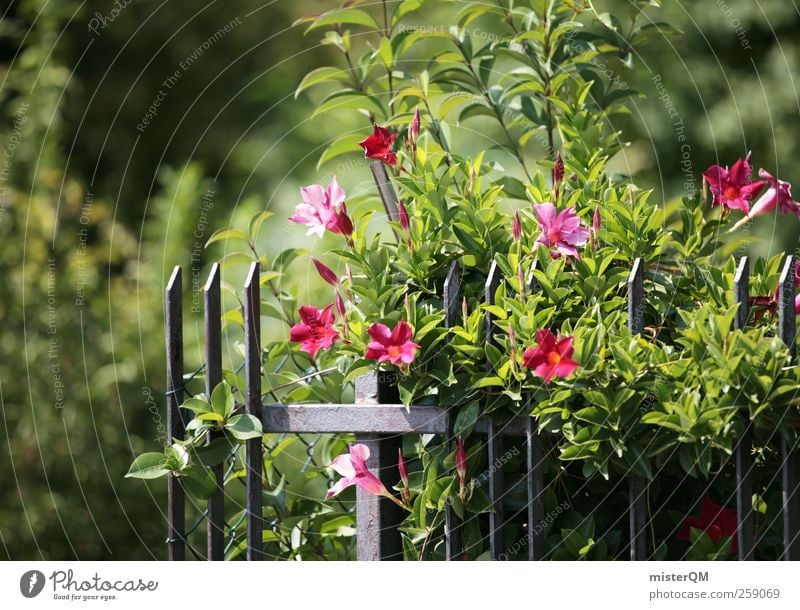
x=326 y=273
x=461 y=462
x=413 y=130
x=401 y=467
x=558 y=172
x=405 y=224
x=516 y=229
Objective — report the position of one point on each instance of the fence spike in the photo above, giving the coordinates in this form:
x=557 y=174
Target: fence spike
x=744 y=462
x=253 y=451
x=791 y=457
x=176 y=498
x=454 y=548
x=212 y=318
x=637 y=485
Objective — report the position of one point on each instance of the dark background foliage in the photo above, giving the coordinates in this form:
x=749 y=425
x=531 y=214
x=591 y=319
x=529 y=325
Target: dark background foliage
x=94 y=212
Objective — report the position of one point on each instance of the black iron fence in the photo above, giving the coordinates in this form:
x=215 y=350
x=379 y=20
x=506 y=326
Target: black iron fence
x=378 y=422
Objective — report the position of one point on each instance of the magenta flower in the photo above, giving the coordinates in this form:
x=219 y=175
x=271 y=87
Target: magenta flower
x=354 y=471
x=733 y=189
x=778 y=194
x=323 y=208
x=393 y=346
x=315 y=331
x=561 y=232
x=551 y=358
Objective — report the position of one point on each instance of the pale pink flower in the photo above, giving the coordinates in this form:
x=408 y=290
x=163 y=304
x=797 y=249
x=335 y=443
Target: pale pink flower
x=778 y=194
x=323 y=209
x=561 y=232
x=353 y=469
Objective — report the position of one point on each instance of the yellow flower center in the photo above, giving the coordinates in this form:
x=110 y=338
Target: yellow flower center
x=731 y=192
x=393 y=351
x=554 y=358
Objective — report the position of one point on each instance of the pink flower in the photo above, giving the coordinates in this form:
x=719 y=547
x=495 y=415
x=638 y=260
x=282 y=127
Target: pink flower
x=354 y=471
x=516 y=228
x=323 y=209
x=315 y=332
x=561 y=232
x=379 y=146
x=733 y=189
x=778 y=194
x=393 y=346
x=461 y=462
x=551 y=358
x=413 y=130
x=325 y=272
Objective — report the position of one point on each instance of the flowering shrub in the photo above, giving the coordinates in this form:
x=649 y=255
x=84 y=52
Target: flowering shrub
x=498 y=151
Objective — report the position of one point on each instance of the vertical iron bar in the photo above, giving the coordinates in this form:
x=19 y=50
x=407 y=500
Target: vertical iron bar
x=215 y=527
x=744 y=462
x=377 y=518
x=253 y=454
x=454 y=548
x=535 y=463
x=790 y=455
x=637 y=485
x=176 y=499
x=494 y=442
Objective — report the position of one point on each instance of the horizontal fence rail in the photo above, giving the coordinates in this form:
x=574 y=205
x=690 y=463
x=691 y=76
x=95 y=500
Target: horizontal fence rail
x=378 y=420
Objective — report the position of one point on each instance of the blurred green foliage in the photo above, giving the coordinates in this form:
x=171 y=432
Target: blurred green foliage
x=94 y=211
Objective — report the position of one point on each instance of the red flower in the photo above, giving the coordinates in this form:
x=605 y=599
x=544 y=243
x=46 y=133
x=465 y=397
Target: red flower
x=379 y=146
x=316 y=329
x=716 y=521
x=394 y=346
x=733 y=189
x=551 y=358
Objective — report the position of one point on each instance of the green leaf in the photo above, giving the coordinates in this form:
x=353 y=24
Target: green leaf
x=225 y=234
x=222 y=400
x=345 y=16
x=244 y=427
x=320 y=75
x=465 y=420
x=148 y=466
x=198 y=481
